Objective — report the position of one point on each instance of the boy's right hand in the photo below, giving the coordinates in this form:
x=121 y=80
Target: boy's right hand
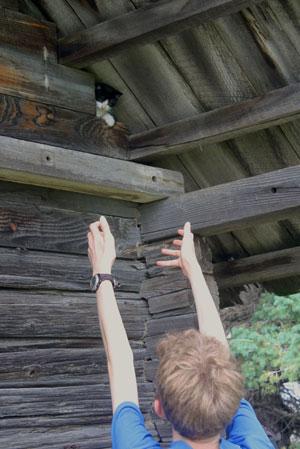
x=186 y=255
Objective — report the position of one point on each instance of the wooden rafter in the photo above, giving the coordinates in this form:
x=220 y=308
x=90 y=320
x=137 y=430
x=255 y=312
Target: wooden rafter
x=239 y=204
x=259 y=268
x=58 y=168
x=142 y=26
x=276 y=107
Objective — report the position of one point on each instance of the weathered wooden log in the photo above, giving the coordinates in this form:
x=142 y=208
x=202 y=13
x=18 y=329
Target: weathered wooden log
x=162 y=285
x=66 y=315
x=141 y=26
x=27 y=34
x=58 y=168
x=259 y=268
x=22 y=268
x=50 y=229
x=238 y=204
x=60 y=199
x=53 y=367
x=81 y=400
x=43 y=123
x=75 y=437
x=274 y=108
x=31 y=78
x=179 y=301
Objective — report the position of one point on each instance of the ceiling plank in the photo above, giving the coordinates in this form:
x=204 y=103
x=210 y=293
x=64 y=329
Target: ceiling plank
x=142 y=26
x=277 y=107
x=58 y=168
x=259 y=268
x=226 y=207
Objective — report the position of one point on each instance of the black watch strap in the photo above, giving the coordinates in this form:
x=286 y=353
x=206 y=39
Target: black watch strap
x=98 y=278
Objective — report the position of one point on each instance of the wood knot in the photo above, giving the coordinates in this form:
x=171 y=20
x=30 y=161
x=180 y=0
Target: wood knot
x=13 y=227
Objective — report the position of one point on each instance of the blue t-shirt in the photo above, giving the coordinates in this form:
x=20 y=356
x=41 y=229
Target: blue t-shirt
x=129 y=432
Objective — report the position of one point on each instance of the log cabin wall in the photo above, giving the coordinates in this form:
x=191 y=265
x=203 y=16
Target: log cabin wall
x=54 y=390
x=54 y=387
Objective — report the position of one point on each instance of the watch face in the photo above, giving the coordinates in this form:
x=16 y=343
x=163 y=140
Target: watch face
x=94 y=282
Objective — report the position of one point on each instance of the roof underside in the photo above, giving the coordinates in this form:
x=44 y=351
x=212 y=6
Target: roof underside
x=232 y=59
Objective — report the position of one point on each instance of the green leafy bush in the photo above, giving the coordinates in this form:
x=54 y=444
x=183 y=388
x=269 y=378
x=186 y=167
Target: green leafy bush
x=269 y=350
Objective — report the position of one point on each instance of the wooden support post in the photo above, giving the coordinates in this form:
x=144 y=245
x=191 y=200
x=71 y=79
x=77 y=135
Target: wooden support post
x=44 y=165
x=259 y=268
x=276 y=107
x=142 y=26
x=239 y=204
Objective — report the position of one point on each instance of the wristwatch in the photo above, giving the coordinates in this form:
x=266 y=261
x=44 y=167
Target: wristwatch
x=98 y=278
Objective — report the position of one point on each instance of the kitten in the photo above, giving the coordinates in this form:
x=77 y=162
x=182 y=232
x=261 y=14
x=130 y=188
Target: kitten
x=106 y=98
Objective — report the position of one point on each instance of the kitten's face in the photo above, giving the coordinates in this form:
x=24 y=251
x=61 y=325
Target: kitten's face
x=105 y=93
x=103 y=105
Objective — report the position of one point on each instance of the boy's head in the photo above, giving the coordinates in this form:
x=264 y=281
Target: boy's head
x=199 y=383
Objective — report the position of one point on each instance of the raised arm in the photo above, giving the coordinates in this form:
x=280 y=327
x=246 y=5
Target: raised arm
x=121 y=371
x=185 y=257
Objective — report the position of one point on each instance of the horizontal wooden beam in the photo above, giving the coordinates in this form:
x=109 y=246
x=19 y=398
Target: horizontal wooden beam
x=259 y=268
x=142 y=26
x=35 y=78
x=239 y=204
x=38 y=227
x=276 y=107
x=27 y=33
x=23 y=268
x=52 y=125
x=58 y=168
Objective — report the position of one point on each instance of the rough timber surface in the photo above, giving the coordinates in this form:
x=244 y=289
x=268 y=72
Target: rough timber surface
x=52 y=125
x=274 y=108
x=26 y=269
x=260 y=268
x=38 y=227
x=48 y=166
x=64 y=315
x=263 y=198
x=32 y=78
x=54 y=384
x=57 y=199
x=28 y=34
x=141 y=26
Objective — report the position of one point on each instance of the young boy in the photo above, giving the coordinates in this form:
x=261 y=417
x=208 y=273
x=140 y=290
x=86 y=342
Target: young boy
x=199 y=384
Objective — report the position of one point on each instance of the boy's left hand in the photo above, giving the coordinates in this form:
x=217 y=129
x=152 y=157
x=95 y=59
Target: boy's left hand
x=102 y=252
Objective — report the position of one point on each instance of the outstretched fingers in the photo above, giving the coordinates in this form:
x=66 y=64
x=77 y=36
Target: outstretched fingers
x=168 y=263
x=170 y=252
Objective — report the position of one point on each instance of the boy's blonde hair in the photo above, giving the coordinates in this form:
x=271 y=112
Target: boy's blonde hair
x=199 y=383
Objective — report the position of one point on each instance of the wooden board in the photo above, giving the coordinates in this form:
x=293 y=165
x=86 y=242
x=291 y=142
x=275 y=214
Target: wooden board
x=31 y=78
x=44 y=165
x=274 y=108
x=42 y=123
x=25 y=269
x=142 y=26
x=65 y=315
x=239 y=204
x=260 y=268
x=28 y=35
x=39 y=227
x=59 y=199
x=53 y=367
